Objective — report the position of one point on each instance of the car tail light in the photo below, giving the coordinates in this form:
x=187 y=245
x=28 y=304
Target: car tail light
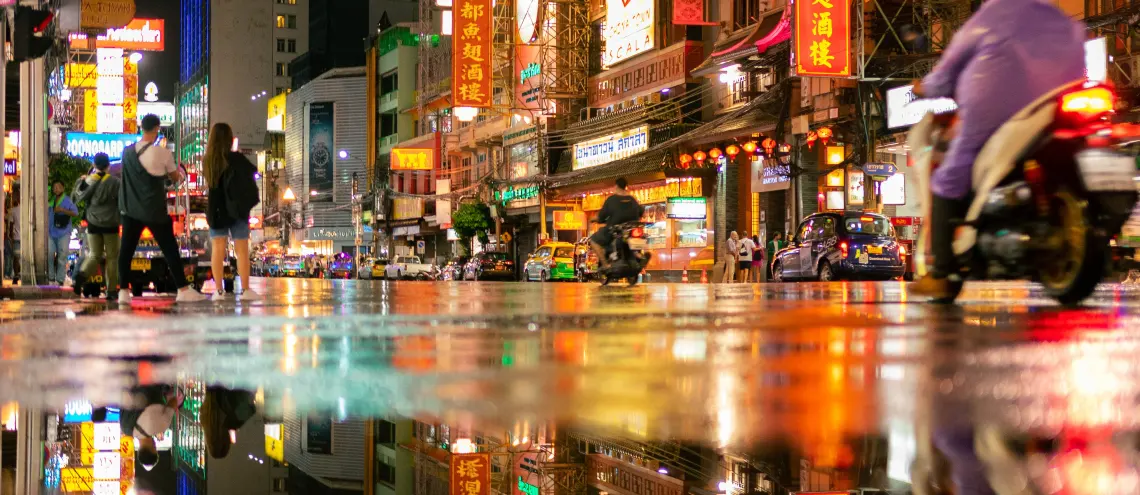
x=636 y=232
x=902 y=250
x=1088 y=103
x=843 y=249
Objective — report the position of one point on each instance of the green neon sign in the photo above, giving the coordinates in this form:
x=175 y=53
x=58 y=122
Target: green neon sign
x=519 y=194
x=527 y=488
x=531 y=70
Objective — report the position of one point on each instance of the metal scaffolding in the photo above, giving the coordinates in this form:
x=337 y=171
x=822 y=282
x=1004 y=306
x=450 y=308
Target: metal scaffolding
x=880 y=50
x=564 y=40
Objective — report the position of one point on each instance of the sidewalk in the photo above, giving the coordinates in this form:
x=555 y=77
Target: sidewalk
x=34 y=292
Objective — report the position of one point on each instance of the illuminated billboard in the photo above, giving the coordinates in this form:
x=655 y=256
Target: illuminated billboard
x=628 y=29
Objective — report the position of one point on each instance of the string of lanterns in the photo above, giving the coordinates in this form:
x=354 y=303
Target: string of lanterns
x=755 y=146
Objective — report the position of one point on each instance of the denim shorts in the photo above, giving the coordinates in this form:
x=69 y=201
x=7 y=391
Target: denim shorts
x=238 y=232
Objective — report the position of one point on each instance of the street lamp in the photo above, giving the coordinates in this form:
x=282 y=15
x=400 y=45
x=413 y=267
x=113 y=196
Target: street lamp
x=288 y=199
x=288 y=196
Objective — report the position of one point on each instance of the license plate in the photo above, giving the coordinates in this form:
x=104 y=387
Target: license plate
x=1105 y=171
x=499 y=266
x=864 y=259
x=875 y=249
x=637 y=243
x=140 y=264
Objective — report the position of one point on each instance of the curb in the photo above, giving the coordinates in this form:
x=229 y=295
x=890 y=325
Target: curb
x=36 y=293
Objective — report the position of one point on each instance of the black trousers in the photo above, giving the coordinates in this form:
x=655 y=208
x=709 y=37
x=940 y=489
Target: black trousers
x=164 y=235
x=944 y=215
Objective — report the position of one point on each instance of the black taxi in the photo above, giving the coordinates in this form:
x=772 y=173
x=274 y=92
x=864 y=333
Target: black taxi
x=835 y=246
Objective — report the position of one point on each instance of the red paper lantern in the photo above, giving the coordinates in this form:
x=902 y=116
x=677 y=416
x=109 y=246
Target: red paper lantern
x=750 y=147
x=685 y=159
x=811 y=139
x=732 y=150
x=715 y=153
x=699 y=156
x=769 y=145
x=824 y=134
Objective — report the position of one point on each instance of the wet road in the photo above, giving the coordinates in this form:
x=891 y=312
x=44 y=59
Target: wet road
x=812 y=365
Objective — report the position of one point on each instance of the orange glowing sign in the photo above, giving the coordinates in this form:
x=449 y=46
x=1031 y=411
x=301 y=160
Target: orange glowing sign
x=569 y=220
x=822 y=45
x=413 y=158
x=471 y=54
x=140 y=35
x=470 y=473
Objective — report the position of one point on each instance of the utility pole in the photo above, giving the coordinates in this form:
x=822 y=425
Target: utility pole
x=3 y=127
x=33 y=183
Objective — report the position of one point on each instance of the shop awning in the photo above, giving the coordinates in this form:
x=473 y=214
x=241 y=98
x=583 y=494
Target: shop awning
x=741 y=45
x=649 y=161
x=759 y=115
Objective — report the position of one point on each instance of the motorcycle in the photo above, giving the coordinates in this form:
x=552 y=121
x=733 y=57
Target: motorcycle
x=626 y=253
x=1050 y=191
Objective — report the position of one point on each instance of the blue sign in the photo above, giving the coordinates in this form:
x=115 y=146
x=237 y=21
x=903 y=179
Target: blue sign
x=77 y=411
x=10 y=167
x=87 y=145
x=879 y=169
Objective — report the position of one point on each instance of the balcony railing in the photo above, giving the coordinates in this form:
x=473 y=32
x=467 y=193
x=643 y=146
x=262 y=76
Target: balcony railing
x=623 y=477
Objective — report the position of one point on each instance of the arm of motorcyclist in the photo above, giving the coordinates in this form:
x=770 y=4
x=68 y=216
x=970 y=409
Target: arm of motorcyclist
x=943 y=80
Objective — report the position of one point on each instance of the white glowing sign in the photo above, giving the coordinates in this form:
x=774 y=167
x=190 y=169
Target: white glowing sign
x=109 y=89
x=107 y=465
x=105 y=488
x=1096 y=59
x=107 y=436
x=110 y=119
x=612 y=147
x=628 y=29
x=110 y=62
x=164 y=111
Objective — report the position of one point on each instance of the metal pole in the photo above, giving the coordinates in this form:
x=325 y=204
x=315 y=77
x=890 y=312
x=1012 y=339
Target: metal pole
x=3 y=126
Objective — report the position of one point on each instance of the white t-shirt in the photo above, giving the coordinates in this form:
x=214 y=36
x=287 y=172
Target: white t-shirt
x=158 y=161
x=155 y=419
x=746 y=246
x=732 y=247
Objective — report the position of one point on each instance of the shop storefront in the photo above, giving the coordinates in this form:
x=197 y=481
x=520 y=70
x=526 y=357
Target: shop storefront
x=521 y=219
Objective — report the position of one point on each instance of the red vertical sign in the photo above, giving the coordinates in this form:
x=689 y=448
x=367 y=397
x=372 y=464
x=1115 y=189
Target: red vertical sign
x=822 y=44
x=471 y=54
x=470 y=474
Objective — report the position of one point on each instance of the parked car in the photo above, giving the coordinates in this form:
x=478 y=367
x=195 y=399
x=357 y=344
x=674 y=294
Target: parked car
x=364 y=271
x=412 y=267
x=835 y=246
x=293 y=265
x=490 y=265
x=456 y=268
x=554 y=261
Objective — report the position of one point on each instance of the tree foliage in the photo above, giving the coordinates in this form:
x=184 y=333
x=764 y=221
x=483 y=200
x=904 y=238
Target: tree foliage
x=68 y=169
x=471 y=220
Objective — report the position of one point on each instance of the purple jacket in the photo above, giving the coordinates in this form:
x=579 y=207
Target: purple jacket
x=1008 y=54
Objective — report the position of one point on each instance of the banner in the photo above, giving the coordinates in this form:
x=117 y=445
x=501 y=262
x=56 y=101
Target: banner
x=412 y=158
x=470 y=474
x=320 y=150
x=471 y=54
x=569 y=220
x=822 y=44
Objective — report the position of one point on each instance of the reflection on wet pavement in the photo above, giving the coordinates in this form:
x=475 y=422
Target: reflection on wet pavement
x=686 y=388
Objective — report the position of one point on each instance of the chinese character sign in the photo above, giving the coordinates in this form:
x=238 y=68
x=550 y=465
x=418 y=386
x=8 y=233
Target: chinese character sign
x=471 y=54
x=470 y=474
x=822 y=38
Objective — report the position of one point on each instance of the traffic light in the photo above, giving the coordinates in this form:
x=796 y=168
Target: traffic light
x=29 y=37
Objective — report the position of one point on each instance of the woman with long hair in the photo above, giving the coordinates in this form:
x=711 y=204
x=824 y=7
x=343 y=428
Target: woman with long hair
x=232 y=195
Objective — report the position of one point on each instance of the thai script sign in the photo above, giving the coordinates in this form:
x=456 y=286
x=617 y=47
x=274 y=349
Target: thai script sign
x=609 y=148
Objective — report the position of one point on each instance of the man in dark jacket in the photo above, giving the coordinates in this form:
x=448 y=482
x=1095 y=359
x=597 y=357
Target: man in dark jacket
x=619 y=208
x=142 y=204
x=101 y=192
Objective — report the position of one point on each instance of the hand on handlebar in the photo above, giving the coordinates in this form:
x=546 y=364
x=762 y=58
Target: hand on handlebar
x=918 y=89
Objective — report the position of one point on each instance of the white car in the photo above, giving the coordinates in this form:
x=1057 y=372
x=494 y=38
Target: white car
x=412 y=266
x=394 y=271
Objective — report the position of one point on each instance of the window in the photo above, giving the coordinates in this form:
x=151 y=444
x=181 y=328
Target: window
x=280 y=45
x=278 y=91
x=292 y=46
x=745 y=13
x=282 y=69
x=385 y=432
x=286 y=2
x=280 y=21
x=291 y=21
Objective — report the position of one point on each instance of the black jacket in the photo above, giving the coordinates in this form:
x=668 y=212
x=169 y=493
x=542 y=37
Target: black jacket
x=232 y=199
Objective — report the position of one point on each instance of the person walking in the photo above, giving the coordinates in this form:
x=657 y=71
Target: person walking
x=758 y=271
x=232 y=194
x=731 y=255
x=61 y=209
x=100 y=190
x=12 y=238
x=142 y=205
x=746 y=248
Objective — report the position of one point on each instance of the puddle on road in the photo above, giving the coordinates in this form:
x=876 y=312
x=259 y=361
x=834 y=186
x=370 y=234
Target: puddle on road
x=988 y=398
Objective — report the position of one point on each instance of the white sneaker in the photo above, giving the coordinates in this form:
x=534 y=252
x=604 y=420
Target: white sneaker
x=125 y=296
x=219 y=297
x=249 y=296
x=189 y=295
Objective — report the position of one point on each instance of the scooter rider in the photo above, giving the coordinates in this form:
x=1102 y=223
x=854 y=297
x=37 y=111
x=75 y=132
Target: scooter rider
x=618 y=209
x=1010 y=53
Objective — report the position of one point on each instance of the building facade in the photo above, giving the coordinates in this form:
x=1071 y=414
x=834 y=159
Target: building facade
x=290 y=39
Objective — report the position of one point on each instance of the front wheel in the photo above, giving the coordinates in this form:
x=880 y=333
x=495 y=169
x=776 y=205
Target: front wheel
x=778 y=272
x=1077 y=258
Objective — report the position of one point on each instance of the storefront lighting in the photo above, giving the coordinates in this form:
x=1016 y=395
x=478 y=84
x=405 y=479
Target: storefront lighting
x=835 y=155
x=750 y=147
x=769 y=145
x=824 y=134
x=785 y=148
x=812 y=137
x=715 y=153
x=699 y=156
x=288 y=196
x=466 y=114
x=732 y=150
x=685 y=160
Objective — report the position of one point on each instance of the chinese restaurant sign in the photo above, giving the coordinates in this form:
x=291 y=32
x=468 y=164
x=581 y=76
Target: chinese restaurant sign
x=822 y=44
x=471 y=54
x=413 y=159
x=569 y=220
x=470 y=474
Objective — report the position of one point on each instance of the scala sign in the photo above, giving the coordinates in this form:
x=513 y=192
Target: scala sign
x=609 y=148
x=628 y=29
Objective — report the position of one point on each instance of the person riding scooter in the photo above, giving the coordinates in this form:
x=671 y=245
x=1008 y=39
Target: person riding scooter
x=618 y=209
x=1010 y=53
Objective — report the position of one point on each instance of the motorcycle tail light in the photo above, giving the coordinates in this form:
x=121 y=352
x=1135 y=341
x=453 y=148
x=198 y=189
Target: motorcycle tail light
x=1088 y=103
x=902 y=250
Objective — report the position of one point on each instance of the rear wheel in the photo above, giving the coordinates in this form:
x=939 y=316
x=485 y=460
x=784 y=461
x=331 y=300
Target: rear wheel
x=543 y=277
x=825 y=273
x=1077 y=257
x=778 y=272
